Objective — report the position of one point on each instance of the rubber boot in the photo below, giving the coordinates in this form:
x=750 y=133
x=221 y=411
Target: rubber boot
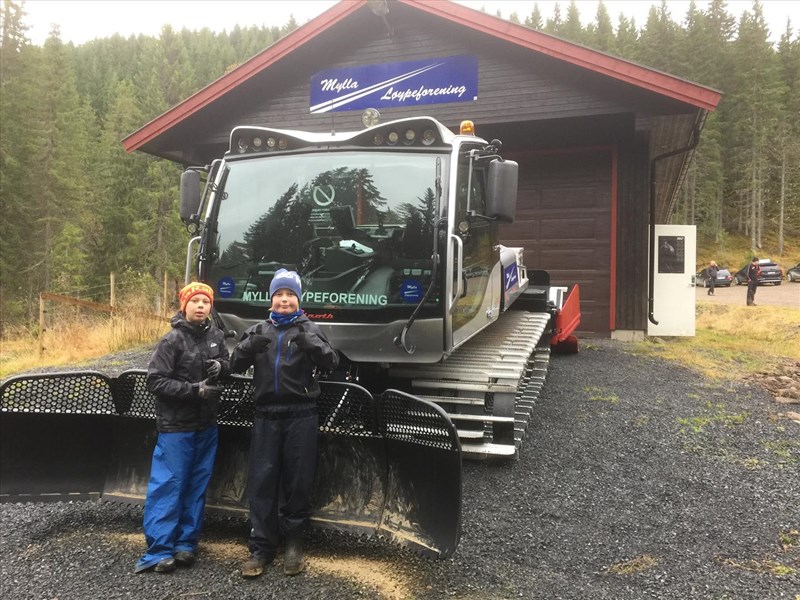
x=185 y=558
x=255 y=565
x=293 y=562
x=165 y=565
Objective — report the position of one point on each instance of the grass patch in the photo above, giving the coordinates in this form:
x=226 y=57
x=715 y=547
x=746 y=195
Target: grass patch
x=714 y=414
x=761 y=566
x=597 y=394
x=733 y=342
x=751 y=464
x=789 y=539
x=634 y=565
x=784 y=449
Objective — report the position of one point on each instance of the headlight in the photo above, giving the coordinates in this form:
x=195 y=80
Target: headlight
x=393 y=137
x=428 y=137
x=241 y=146
x=370 y=117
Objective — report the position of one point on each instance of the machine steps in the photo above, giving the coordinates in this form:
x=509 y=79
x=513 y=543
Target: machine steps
x=489 y=385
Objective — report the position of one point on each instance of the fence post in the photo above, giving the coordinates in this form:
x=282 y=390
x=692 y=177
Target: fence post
x=113 y=299
x=42 y=324
x=164 y=305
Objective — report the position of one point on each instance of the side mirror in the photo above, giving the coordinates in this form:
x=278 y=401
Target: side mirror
x=190 y=195
x=501 y=190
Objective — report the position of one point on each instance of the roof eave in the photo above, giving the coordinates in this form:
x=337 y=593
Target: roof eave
x=284 y=46
x=594 y=60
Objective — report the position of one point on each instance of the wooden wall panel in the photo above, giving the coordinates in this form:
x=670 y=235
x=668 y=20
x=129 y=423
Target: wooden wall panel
x=564 y=223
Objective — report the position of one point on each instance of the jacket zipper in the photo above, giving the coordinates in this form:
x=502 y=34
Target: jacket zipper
x=277 y=361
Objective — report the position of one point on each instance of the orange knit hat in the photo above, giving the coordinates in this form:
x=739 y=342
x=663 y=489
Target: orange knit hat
x=193 y=289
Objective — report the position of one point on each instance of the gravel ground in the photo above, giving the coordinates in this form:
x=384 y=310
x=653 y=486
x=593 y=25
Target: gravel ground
x=638 y=479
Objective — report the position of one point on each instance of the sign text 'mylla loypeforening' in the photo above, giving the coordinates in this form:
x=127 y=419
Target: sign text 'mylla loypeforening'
x=432 y=81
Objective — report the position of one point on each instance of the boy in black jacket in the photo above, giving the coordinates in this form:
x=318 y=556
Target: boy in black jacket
x=182 y=376
x=283 y=450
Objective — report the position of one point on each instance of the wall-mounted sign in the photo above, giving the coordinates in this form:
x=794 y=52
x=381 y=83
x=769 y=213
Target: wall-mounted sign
x=671 y=254
x=432 y=81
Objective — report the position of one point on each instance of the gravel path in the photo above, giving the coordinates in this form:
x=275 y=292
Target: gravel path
x=638 y=479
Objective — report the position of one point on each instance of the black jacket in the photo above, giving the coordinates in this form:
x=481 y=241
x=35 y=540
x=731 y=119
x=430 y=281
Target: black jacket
x=284 y=372
x=176 y=369
x=753 y=272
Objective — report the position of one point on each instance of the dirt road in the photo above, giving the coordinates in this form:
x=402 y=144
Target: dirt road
x=786 y=294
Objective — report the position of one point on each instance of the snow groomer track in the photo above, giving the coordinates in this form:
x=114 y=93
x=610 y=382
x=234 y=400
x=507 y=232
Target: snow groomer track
x=489 y=385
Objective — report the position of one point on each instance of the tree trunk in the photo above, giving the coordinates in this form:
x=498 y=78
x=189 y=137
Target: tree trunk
x=752 y=202
x=760 y=207
x=782 y=199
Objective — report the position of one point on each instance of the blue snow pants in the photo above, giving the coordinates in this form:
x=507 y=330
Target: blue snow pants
x=176 y=494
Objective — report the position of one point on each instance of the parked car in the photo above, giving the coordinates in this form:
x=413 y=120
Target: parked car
x=724 y=278
x=793 y=274
x=770 y=273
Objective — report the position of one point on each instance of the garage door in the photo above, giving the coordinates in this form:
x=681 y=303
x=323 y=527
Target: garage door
x=564 y=223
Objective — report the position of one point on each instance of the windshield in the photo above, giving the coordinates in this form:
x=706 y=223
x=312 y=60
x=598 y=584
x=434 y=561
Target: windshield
x=357 y=226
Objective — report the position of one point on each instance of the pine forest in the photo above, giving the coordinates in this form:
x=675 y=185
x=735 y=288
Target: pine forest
x=76 y=206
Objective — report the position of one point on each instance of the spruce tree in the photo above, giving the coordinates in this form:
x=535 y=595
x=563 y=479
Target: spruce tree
x=600 y=34
x=534 y=20
x=572 y=29
x=755 y=111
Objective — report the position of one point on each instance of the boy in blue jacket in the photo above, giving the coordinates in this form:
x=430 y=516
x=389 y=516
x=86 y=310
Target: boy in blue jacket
x=283 y=350
x=182 y=376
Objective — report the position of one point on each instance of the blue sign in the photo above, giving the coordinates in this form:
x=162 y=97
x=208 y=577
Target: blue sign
x=511 y=277
x=411 y=290
x=225 y=287
x=388 y=85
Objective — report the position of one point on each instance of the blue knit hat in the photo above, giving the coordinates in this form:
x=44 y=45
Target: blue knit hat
x=286 y=279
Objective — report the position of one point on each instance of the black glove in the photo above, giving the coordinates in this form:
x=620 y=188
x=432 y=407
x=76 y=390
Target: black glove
x=258 y=342
x=207 y=390
x=213 y=369
x=303 y=341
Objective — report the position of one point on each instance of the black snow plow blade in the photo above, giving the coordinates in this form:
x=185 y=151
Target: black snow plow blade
x=388 y=466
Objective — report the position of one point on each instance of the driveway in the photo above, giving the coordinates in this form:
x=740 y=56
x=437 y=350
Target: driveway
x=638 y=478
x=786 y=294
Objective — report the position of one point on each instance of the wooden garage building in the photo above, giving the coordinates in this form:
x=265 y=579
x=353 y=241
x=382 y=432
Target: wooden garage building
x=587 y=129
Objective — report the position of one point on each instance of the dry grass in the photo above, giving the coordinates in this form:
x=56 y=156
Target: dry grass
x=634 y=565
x=72 y=338
x=734 y=342
x=731 y=341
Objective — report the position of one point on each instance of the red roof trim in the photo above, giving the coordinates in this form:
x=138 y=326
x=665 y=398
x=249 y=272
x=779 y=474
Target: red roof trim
x=622 y=70
x=286 y=45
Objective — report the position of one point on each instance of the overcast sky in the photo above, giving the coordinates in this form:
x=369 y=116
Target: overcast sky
x=84 y=20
